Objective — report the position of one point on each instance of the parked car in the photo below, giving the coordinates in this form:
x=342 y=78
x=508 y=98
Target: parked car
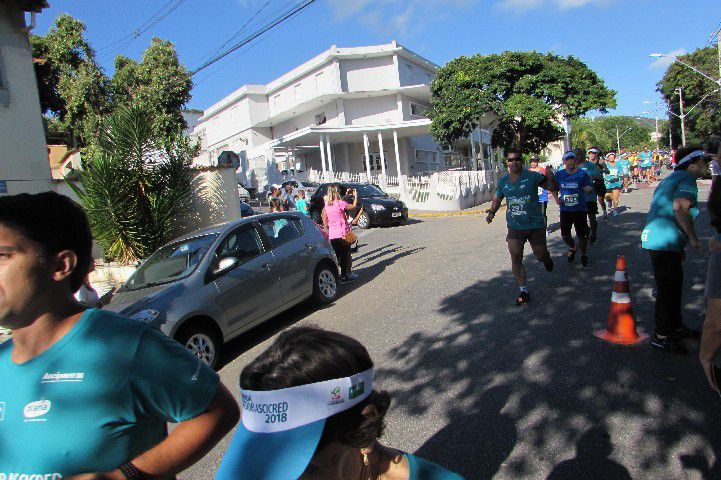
x=378 y=207
x=246 y=210
x=208 y=287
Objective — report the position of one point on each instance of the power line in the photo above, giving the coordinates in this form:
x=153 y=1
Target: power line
x=277 y=21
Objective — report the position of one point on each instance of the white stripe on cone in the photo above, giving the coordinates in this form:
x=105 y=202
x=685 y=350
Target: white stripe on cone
x=620 y=276
x=618 y=297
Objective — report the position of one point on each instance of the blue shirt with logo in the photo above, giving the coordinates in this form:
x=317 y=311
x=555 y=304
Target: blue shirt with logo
x=663 y=232
x=612 y=179
x=624 y=165
x=97 y=398
x=571 y=192
x=594 y=172
x=524 y=212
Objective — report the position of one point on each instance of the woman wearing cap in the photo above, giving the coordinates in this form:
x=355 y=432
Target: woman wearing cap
x=310 y=412
x=669 y=227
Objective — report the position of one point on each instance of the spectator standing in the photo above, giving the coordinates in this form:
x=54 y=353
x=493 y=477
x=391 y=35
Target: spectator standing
x=287 y=198
x=87 y=393
x=669 y=227
x=542 y=192
x=336 y=221
x=302 y=203
x=329 y=418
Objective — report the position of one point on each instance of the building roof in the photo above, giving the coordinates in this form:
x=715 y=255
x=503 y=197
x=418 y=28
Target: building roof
x=332 y=53
x=32 y=5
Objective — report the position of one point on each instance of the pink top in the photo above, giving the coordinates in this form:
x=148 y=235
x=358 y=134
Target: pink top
x=337 y=223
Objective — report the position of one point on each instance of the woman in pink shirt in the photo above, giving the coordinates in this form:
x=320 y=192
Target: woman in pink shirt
x=337 y=223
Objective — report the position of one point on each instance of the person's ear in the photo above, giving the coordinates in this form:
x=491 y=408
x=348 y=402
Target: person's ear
x=64 y=264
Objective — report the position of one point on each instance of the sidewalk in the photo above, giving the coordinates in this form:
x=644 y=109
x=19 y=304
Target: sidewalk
x=477 y=210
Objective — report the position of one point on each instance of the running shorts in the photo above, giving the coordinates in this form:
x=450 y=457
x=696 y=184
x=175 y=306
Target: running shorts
x=574 y=219
x=536 y=237
x=592 y=207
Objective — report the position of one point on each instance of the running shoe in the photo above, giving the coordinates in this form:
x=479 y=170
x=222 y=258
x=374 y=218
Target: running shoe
x=523 y=298
x=571 y=255
x=685 y=332
x=615 y=213
x=668 y=344
x=348 y=278
x=593 y=239
x=605 y=216
x=548 y=264
x=584 y=261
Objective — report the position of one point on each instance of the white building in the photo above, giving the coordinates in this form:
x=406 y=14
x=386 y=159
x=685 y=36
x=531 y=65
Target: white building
x=354 y=110
x=24 y=163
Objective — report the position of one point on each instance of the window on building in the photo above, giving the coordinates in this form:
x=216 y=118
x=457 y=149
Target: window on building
x=319 y=81
x=409 y=67
x=375 y=161
x=298 y=94
x=417 y=110
x=320 y=119
x=276 y=101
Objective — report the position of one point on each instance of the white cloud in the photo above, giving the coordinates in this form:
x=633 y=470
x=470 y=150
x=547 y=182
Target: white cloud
x=526 y=5
x=519 y=5
x=667 y=59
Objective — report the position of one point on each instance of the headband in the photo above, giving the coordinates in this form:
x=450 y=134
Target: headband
x=275 y=411
x=690 y=156
x=568 y=155
x=593 y=150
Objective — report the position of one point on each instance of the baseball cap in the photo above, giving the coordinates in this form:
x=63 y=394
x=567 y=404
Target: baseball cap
x=280 y=429
x=593 y=150
x=569 y=154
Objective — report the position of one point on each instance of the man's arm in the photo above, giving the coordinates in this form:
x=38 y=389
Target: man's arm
x=711 y=339
x=495 y=205
x=681 y=207
x=190 y=441
x=550 y=183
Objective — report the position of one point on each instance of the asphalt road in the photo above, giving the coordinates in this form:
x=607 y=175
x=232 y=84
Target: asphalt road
x=492 y=390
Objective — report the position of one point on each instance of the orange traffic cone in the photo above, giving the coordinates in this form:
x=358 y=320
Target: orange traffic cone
x=621 y=322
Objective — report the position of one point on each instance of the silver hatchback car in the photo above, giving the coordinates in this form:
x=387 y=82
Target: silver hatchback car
x=207 y=287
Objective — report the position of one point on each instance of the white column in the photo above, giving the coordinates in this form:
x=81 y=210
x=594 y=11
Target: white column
x=330 y=153
x=368 y=157
x=383 y=155
x=322 y=153
x=398 y=155
x=483 y=150
x=473 y=151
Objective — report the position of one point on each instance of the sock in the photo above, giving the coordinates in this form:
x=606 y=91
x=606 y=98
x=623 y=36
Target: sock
x=524 y=289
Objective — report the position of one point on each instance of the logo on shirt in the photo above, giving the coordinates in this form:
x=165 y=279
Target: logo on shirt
x=58 y=377
x=2 y=411
x=33 y=410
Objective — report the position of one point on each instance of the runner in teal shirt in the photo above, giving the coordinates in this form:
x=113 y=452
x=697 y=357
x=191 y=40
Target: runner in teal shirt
x=98 y=397
x=524 y=212
x=663 y=231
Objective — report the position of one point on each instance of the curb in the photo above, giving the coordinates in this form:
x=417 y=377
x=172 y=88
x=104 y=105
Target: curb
x=446 y=214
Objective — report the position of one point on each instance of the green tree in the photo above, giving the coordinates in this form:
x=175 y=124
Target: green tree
x=134 y=189
x=601 y=132
x=528 y=91
x=705 y=119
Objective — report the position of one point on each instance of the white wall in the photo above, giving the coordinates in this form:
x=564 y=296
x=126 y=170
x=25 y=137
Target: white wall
x=306 y=120
x=368 y=74
x=23 y=151
x=372 y=110
x=406 y=106
x=411 y=73
x=315 y=83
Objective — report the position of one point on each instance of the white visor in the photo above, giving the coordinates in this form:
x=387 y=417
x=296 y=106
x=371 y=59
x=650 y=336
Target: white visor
x=279 y=410
x=690 y=156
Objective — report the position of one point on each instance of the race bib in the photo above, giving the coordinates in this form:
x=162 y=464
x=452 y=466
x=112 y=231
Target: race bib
x=517 y=208
x=570 y=200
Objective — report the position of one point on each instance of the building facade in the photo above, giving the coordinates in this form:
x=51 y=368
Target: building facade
x=356 y=110
x=24 y=163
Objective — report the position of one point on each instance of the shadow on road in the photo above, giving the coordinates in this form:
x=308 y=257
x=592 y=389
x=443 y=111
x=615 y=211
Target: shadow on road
x=531 y=382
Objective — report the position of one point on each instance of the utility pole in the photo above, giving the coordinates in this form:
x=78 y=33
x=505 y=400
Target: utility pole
x=718 y=47
x=618 y=142
x=682 y=117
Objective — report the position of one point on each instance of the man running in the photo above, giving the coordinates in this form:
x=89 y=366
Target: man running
x=625 y=167
x=574 y=184
x=612 y=181
x=591 y=168
x=669 y=228
x=542 y=192
x=523 y=216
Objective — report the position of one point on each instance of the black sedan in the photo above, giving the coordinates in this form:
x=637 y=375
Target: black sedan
x=378 y=207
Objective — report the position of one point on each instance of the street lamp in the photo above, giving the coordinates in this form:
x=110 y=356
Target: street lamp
x=683 y=115
x=619 y=135
x=676 y=59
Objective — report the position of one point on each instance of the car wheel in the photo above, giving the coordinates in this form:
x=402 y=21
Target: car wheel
x=202 y=341
x=325 y=284
x=364 y=221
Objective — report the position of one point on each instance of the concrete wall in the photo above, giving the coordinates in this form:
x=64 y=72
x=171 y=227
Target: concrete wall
x=307 y=119
x=368 y=74
x=412 y=73
x=406 y=107
x=23 y=152
x=374 y=110
x=315 y=83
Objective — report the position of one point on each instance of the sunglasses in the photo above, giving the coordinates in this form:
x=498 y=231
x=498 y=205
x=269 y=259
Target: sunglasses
x=514 y=159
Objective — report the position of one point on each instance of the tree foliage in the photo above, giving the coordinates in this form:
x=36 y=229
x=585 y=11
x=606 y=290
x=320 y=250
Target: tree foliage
x=75 y=91
x=133 y=188
x=601 y=133
x=528 y=91
x=705 y=119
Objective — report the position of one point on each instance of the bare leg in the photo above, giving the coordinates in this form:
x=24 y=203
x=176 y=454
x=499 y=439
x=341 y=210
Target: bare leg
x=515 y=248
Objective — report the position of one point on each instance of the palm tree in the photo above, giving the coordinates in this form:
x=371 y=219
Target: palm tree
x=135 y=188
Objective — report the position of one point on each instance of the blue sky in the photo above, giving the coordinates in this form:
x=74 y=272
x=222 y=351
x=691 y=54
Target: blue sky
x=614 y=37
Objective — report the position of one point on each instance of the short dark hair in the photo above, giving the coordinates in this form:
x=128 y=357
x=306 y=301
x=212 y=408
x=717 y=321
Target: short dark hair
x=304 y=355
x=682 y=152
x=55 y=222
x=513 y=150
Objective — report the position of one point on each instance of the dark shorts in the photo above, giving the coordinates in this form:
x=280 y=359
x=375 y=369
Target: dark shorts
x=599 y=188
x=577 y=220
x=536 y=237
x=592 y=207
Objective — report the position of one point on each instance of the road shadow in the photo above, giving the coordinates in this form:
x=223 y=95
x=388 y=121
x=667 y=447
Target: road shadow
x=591 y=461
x=528 y=384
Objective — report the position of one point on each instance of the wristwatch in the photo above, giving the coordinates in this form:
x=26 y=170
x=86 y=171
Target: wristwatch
x=131 y=472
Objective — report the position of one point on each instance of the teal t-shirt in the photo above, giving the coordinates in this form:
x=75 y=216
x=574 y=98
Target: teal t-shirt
x=524 y=212
x=624 y=165
x=422 y=469
x=302 y=205
x=662 y=231
x=97 y=398
x=612 y=179
x=594 y=172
